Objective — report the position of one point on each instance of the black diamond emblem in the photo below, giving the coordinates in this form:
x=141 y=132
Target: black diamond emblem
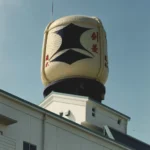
x=70 y=57
x=71 y=38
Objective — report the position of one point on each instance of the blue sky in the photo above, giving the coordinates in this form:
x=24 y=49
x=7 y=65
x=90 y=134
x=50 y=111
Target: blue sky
x=127 y=24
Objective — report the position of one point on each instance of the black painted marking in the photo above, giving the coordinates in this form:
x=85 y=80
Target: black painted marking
x=71 y=38
x=70 y=57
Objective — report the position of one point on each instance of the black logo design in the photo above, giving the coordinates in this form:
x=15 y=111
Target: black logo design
x=70 y=57
x=71 y=39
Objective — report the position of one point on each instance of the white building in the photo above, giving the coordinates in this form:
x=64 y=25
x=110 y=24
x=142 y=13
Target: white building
x=63 y=122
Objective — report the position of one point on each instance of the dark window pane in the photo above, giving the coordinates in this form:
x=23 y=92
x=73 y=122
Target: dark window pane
x=32 y=147
x=26 y=146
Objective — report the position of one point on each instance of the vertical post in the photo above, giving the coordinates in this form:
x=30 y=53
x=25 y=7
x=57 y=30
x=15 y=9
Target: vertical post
x=52 y=9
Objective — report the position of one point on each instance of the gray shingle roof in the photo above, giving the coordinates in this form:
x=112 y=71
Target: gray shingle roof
x=129 y=141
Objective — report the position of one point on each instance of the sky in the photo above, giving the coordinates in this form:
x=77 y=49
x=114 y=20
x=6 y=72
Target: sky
x=127 y=24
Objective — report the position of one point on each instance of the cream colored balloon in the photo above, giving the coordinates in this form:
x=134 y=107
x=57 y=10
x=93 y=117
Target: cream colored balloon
x=86 y=57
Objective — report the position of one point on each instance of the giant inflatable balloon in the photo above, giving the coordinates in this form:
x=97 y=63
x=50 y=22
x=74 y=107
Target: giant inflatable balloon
x=74 y=57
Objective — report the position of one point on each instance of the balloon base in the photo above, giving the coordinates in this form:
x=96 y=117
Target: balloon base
x=77 y=86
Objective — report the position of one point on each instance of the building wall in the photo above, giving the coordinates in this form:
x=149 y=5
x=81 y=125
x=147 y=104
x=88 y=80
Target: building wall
x=81 y=111
x=54 y=133
x=7 y=143
x=59 y=102
x=77 y=112
x=64 y=140
x=103 y=117
x=28 y=126
x=67 y=137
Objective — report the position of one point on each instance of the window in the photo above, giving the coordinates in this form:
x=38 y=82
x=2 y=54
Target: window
x=119 y=121
x=28 y=146
x=93 y=112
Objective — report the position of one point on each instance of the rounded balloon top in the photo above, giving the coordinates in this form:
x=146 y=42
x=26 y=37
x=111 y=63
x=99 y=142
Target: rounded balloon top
x=74 y=47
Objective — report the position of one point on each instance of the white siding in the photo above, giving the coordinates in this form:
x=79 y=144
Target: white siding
x=81 y=111
x=50 y=137
x=77 y=111
x=60 y=139
x=28 y=126
x=65 y=137
x=58 y=134
x=104 y=117
x=59 y=102
x=7 y=143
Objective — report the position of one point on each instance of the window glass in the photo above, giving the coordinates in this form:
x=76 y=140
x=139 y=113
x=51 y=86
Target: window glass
x=28 y=146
